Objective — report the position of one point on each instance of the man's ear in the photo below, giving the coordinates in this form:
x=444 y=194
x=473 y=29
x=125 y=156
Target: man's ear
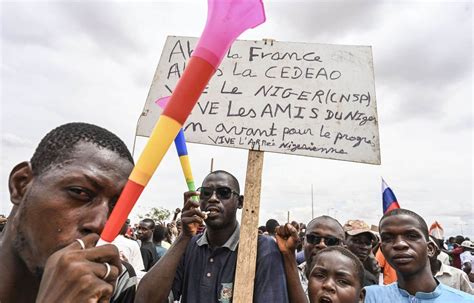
x=20 y=176
x=362 y=295
x=432 y=249
x=241 y=202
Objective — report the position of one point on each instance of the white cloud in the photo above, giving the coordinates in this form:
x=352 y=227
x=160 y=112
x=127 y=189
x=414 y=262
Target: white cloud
x=94 y=61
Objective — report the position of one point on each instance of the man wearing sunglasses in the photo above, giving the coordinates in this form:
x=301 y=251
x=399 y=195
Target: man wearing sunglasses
x=321 y=232
x=201 y=268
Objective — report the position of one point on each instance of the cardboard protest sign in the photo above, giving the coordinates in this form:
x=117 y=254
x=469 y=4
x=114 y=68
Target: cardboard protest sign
x=306 y=99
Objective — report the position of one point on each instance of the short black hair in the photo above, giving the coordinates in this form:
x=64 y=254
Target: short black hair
x=230 y=175
x=159 y=233
x=271 y=225
x=58 y=144
x=360 y=271
x=459 y=239
x=149 y=221
x=402 y=211
x=328 y=218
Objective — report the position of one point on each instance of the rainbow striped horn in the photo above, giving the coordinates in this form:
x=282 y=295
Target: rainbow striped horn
x=226 y=20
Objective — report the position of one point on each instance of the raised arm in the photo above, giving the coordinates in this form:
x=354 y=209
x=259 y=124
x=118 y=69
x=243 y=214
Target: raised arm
x=287 y=239
x=157 y=283
x=175 y=215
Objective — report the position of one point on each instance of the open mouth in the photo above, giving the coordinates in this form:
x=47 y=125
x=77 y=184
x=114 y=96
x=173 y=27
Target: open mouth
x=212 y=212
x=325 y=299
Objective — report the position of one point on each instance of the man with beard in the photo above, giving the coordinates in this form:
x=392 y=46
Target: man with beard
x=62 y=199
x=201 y=268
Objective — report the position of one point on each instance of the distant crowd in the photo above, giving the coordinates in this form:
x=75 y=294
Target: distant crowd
x=63 y=196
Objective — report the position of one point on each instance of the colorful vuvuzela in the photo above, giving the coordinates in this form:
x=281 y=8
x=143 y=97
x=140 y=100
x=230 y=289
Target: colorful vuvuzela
x=181 y=148
x=226 y=20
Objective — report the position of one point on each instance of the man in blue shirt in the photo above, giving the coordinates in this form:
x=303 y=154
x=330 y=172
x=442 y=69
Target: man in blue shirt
x=201 y=268
x=406 y=246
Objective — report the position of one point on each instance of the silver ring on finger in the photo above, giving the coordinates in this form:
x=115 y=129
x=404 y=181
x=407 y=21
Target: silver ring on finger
x=83 y=246
x=107 y=271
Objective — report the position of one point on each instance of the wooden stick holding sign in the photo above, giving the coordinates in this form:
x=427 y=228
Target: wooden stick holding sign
x=247 y=254
x=291 y=98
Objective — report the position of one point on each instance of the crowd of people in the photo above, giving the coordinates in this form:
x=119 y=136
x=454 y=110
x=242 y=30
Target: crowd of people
x=63 y=196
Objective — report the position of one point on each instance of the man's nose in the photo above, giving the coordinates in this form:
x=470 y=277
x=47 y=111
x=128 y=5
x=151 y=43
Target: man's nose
x=213 y=197
x=321 y=244
x=95 y=218
x=400 y=243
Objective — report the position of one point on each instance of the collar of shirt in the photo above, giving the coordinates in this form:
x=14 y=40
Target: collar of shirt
x=423 y=295
x=231 y=243
x=443 y=270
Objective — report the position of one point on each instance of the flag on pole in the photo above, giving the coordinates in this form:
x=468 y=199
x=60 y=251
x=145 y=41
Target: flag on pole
x=388 y=197
x=436 y=230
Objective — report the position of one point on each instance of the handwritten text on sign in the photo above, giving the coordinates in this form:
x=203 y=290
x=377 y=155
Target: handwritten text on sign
x=295 y=98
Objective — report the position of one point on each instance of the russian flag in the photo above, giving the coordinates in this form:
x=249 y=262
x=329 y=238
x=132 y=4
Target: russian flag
x=388 y=197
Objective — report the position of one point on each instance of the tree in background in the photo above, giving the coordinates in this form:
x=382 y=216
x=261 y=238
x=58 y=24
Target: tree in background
x=158 y=214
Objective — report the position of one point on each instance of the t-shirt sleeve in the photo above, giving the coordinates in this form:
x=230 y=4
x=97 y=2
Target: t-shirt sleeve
x=270 y=279
x=147 y=258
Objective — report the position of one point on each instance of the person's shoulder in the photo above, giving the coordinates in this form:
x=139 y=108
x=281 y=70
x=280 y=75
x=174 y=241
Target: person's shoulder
x=382 y=288
x=450 y=292
x=132 y=244
x=266 y=244
x=451 y=270
x=265 y=239
x=193 y=245
x=124 y=291
x=380 y=291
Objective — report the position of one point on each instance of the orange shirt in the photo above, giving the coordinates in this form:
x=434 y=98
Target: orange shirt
x=389 y=274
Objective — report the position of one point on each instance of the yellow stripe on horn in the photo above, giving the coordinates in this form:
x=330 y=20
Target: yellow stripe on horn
x=186 y=165
x=159 y=142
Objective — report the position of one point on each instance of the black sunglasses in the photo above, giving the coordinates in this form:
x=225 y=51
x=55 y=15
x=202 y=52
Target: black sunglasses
x=328 y=241
x=222 y=192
